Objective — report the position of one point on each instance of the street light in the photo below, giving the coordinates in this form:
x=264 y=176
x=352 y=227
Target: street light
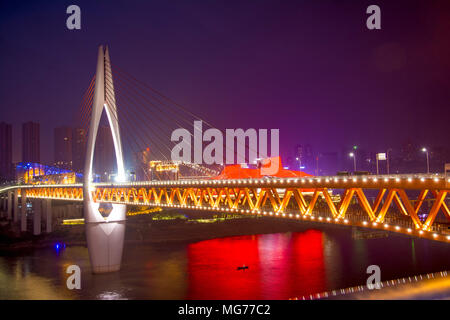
x=352 y=155
x=299 y=162
x=428 y=159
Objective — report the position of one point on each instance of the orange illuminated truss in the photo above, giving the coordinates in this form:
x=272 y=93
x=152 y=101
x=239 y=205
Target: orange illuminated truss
x=276 y=197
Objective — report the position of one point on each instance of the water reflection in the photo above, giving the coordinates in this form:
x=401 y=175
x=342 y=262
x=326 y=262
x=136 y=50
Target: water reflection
x=280 y=265
x=20 y=283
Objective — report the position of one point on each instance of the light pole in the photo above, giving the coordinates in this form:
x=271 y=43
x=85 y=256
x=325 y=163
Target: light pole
x=387 y=159
x=428 y=159
x=352 y=155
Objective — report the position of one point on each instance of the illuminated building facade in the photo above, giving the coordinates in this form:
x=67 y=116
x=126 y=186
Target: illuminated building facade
x=31 y=142
x=36 y=173
x=164 y=170
x=142 y=164
x=304 y=158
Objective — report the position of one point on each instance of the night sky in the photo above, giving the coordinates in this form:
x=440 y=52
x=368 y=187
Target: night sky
x=310 y=68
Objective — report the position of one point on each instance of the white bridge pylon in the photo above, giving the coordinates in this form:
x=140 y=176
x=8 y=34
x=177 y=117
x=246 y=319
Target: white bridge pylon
x=105 y=236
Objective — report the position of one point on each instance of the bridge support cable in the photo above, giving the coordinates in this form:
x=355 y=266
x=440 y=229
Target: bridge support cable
x=133 y=109
x=146 y=88
x=85 y=105
x=154 y=125
x=145 y=100
x=177 y=108
x=142 y=126
x=81 y=110
x=87 y=118
x=139 y=101
x=168 y=105
x=131 y=143
x=133 y=124
x=131 y=140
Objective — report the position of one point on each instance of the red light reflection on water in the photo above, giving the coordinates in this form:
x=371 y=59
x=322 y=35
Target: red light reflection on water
x=280 y=266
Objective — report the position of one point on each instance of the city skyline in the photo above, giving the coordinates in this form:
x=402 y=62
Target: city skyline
x=355 y=98
x=70 y=143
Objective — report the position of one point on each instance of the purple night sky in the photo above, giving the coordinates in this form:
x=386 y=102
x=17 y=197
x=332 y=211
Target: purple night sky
x=310 y=68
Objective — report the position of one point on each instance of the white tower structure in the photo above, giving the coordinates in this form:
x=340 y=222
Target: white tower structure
x=105 y=235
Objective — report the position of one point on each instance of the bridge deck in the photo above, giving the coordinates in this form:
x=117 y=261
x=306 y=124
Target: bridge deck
x=294 y=198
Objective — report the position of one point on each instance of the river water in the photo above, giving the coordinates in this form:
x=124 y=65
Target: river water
x=281 y=266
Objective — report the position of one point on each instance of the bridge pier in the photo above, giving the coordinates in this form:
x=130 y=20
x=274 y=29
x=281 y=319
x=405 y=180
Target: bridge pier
x=37 y=206
x=23 y=211
x=9 y=206
x=16 y=206
x=48 y=215
x=105 y=243
x=3 y=206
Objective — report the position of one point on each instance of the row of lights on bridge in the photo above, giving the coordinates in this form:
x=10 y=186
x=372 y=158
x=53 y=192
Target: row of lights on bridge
x=232 y=181
x=268 y=181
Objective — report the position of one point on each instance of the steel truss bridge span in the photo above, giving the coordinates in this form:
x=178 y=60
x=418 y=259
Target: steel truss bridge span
x=291 y=198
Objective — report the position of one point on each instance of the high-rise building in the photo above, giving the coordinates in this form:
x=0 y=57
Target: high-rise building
x=304 y=158
x=6 y=167
x=104 y=157
x=142 y=164
x=299 y=157
x=31 y=142
x=79 y=138
x=63 y=147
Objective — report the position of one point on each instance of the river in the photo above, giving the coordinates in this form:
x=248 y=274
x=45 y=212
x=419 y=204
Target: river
x=281 y=266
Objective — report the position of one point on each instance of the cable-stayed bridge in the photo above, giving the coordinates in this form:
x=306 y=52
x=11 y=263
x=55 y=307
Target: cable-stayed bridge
x=295 y=198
